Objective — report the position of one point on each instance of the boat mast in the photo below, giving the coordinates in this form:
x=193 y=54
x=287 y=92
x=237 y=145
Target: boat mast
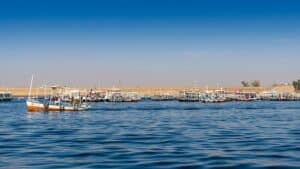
x=29 y=94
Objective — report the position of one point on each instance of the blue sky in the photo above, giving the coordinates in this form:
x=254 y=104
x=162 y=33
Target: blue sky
x=149 y=43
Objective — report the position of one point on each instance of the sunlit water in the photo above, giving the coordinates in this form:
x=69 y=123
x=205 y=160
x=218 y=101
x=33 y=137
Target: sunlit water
x=153 y=135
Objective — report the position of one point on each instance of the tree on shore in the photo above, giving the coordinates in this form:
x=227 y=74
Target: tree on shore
x=245 y=84
x=296 y=85
x=255 y=83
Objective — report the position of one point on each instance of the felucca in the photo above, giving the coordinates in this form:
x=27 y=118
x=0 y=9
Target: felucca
x=54 y=102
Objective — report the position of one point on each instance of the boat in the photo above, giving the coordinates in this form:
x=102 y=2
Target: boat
x=213 y=98
x=163 y=97
x=5 y=96
x=189 y=96
x=35 y=105
x=131 y=97
x=246 y=96
x=54 y=102
x=114 y=95
x=94 y=96
x=117 y=95
x=279 y=96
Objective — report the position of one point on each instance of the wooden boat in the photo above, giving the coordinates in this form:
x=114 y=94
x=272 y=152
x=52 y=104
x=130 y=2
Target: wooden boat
x=35 y=105
x=53 y=103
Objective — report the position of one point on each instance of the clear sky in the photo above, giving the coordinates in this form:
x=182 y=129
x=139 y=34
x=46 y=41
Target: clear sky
x=149 y=42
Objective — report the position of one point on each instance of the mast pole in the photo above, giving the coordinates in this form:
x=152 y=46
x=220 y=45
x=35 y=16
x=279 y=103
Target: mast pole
x=29 y=94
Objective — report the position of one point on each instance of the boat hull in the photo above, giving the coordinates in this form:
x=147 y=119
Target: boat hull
x=37 y=106
x=5 y=99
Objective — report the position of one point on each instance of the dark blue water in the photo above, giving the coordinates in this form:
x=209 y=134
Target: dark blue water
x=153 y=135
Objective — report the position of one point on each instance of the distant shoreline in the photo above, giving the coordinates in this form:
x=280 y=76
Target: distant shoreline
x=149 y=91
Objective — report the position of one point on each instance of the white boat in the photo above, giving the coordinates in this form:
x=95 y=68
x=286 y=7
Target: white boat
x=116 y=95
x=94 y=96
x=5 y=96
x=189 y=96
x=53 y=102
x=35 y=105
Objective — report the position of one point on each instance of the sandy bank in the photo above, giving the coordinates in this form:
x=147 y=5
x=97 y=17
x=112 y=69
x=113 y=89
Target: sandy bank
x=149 y=91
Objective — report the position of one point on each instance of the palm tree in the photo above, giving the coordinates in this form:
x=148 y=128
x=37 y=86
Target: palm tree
x=296 y=85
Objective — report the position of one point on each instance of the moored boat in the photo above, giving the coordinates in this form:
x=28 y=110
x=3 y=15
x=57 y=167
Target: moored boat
x=35 y=105
x=117 y=95
x=5 y=96
x=189 y=96
x=54 y=102
x=94 y=96
x=163 y=97
x=213 y=97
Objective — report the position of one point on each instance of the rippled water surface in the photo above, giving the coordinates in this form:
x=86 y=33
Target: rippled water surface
x=153 y=135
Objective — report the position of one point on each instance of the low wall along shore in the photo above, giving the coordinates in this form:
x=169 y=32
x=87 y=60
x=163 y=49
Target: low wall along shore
x=149 y=91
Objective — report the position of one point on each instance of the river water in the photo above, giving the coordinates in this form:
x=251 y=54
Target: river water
x=153 y=135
